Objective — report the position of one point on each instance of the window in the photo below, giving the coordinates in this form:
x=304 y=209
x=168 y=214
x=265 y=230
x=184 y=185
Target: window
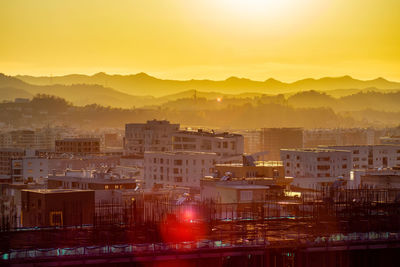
x=56 y=218
x=178 y=162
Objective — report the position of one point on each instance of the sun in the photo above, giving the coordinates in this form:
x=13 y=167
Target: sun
x=254 y=7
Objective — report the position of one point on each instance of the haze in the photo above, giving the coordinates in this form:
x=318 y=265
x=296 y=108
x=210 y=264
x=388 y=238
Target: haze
x=207 y=39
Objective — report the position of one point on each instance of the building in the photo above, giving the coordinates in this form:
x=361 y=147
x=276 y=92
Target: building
x=29 y=169
x=273 y=169
x=177 y=168
x=390 y=140
x=7 y=155
x=151 y=136
x=78 y=145
x=57 y=207
x=232 y=192
x=377 y=178
x=252 y=141
x=371 y=157
x=318 y=166
x=108 y=187
x=227 y=146
x=24 y=139
x=275 y=139
x=112 y=140
x=341 y=137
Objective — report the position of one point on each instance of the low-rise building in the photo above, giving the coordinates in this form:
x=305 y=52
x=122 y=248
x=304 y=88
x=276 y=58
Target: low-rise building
x=57 y=207
x=108 y=187
x=382 y=178
x=311 y=168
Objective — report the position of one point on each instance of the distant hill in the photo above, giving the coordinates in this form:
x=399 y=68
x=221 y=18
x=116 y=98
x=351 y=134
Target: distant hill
x=144 y=84
x=79 y=94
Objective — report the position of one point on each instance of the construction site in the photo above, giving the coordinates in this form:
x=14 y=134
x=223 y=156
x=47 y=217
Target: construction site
x=343 y=227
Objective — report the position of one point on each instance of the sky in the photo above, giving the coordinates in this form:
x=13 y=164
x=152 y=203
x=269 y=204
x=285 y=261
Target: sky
x=202 y=39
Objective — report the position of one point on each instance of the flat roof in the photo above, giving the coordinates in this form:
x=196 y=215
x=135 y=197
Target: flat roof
x=314 y=150
x=55 y=191
x=180 y=153
x=242 y=186
x=209 y=134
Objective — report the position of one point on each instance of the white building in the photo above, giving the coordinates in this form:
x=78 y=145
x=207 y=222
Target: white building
x=311 y=168
x=227 y=146
x=376 y=178
x=179 y=168
x=370 y=157
x=151 y=136
x=30 y=169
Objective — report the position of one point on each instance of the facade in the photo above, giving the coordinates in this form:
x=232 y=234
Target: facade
x=377 y=178
x=370 y=157
x=107 y=186
x=316 y=163
x=275 y=139
x=177 y=168
x=24 y=139
x=57 y=207
x=390 y=140
x=78 y=145
x=341 y=137
x=6 y=157
x=260 y=169
x=151 y=136
x=227 y=146
x=232 y=192
x=30 y=169
x=28 y=139
x=252 y=141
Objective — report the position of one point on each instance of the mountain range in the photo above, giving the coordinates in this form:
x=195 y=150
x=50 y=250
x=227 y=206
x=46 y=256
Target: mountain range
x=140 y=90
x=143 y=84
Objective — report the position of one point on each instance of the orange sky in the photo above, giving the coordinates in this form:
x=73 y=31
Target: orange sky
x=183 y=39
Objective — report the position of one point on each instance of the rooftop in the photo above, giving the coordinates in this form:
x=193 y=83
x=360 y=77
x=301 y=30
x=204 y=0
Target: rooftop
x=180 y=153
x=201 y=132
x=315 y=150
x=55 y=191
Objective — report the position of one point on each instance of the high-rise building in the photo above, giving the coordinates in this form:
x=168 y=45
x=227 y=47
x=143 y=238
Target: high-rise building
x=78 y=145
x=227 y=146
x=151 y=136
x=178 y=168
x=275 y=139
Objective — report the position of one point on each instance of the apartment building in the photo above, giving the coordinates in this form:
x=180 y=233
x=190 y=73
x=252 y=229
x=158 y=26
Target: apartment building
x=177 y=168
x=153 y=135
x=373 y=156
x=275 y=139
x=78 y=145
x=227 y=146
x=316 y=162
x=29 y=169
x=6 y=157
